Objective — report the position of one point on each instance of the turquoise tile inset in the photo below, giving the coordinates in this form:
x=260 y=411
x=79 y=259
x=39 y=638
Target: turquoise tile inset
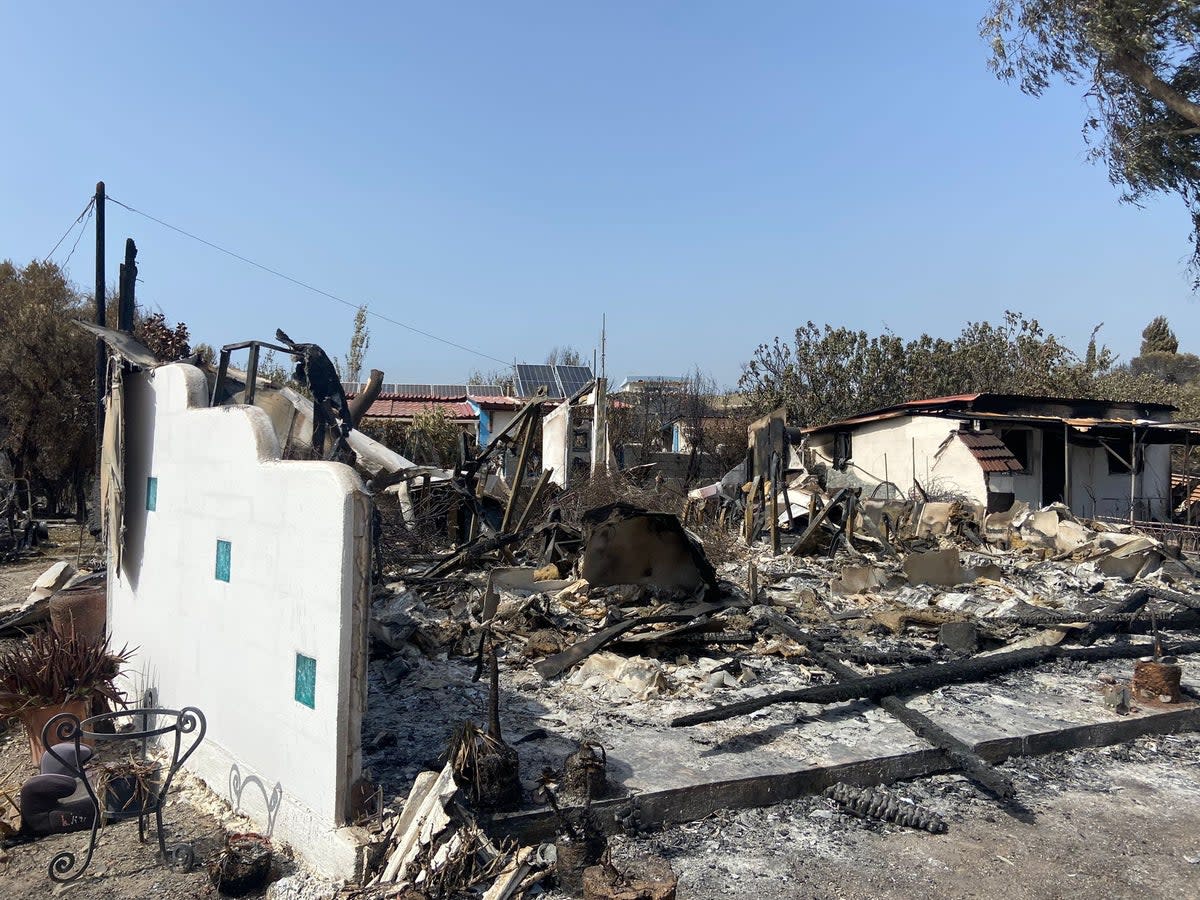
x=306 y=680
x=224 y=550
x=151 y=494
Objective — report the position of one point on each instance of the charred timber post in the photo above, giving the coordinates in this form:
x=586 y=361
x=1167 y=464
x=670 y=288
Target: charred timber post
x=101 y=352
x=533 y=499
x=773 y=509
x=362 y=401
x=128 y=303
x=519 y=476
x=927 y=677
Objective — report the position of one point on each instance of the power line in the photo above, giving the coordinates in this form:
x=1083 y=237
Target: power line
x=79 y=237
x=86 y=210
x=302 y=284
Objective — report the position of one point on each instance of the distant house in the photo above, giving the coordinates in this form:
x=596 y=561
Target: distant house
x=642 y=384
x=480 y=410
x=1101 y=458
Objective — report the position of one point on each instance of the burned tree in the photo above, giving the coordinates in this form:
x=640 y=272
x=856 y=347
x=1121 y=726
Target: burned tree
x=315 y=370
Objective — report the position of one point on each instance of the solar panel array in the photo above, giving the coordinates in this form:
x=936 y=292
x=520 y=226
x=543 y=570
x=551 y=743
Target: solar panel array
x=559 y=381
x=428 y=390
x=573 y=378
x=530 y=378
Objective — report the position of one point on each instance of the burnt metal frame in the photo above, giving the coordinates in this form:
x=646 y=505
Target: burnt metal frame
x=68 y=728
x=251 y=367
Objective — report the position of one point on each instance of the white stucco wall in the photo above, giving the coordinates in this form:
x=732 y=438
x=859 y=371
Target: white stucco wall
x=908 y=446
x=1095 y=492
x=955 y=468
x=889 y=446
x=556 y=443
x=298 y=535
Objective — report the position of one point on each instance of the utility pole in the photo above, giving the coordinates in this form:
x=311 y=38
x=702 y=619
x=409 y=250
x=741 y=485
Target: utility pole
x=101 y=351
x=128 y=287
x=600 y=414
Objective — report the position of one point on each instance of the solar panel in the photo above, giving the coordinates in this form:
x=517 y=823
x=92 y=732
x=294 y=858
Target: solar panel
x=485 y=390
x=448 y=390
x=418 y=390
x=573 y=378
x=530 y=378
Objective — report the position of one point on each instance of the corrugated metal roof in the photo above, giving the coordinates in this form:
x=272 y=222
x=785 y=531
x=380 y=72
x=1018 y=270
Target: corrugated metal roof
x=990 y=452
x=975 y=406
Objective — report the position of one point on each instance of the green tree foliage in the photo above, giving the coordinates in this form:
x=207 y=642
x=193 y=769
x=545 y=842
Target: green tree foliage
x=830 y=373
x=166 y=341
x=430 y=439
x=1157 y=337
x=1140 y=63
x=360 y=340
x=48 y=399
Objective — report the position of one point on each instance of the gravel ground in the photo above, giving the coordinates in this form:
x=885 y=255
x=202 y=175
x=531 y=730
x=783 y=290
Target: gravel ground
x=1117 y=822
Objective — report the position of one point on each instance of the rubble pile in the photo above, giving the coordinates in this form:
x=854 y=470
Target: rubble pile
x=617 y=624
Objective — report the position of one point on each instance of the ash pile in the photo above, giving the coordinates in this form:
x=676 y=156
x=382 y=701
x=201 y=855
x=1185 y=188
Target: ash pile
x=506 y=665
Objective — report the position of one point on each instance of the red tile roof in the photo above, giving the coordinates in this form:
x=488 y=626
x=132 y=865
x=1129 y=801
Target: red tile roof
x=398 y=408
x=990 y=452
x=1179 y=479
x=492 y=402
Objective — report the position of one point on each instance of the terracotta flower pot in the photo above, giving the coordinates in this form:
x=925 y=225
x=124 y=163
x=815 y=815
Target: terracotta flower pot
x=34 y=719
x=80 y=610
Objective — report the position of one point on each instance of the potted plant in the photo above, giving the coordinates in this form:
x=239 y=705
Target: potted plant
x=50 y=673
x=128 y=786
x=243 y=865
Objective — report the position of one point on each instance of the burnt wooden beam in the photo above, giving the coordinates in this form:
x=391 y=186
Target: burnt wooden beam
x=921 y=678
x=959 y=752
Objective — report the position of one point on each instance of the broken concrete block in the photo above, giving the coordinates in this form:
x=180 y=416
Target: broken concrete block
x=997 y=528
x=896 y=620
x=1041 y=529
x=1071 y=536
x=933 y=519
x=520 y=580
x=861 y=579
x=627 y=545
x=939 y=567
x=643 y=678
x=50 y=581
x=1132 y=556
x=1117 y=698
x=961 y=637
x=986 y=570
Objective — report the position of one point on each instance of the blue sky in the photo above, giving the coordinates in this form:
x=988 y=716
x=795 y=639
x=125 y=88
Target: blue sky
x=707 y=175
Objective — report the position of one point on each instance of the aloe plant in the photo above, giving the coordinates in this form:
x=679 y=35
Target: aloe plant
x=48 y=669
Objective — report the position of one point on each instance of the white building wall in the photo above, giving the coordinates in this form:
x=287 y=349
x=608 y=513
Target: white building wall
x=556 y=443
x=298 y=536
x=956 y=469
x=899 y=446
x=1096 y=492
x=899 y=449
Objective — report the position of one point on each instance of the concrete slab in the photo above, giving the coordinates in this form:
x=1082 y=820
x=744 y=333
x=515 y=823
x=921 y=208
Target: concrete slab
x=674 y=775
